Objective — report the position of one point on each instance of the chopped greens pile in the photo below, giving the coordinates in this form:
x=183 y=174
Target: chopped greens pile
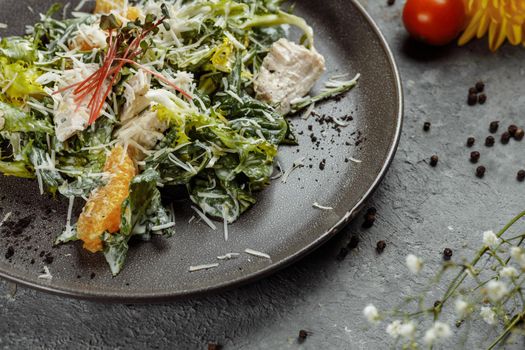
x=113 y=106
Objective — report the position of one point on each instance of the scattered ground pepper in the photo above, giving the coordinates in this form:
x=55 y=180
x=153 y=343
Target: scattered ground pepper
x=494 y=126
x=426 y=126
x=322 y=164
x=10 y=252
x=434 y=160
x=380 y=247
x=505 y=137
x=92 y=275
x=447 y=254
x=489 y=141
x=471 y=141
x=480 y=171
x=474 y=156
x=302 y=335
x=521 y=175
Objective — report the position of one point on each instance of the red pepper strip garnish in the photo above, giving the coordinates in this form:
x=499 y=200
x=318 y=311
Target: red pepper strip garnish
x=94 y=84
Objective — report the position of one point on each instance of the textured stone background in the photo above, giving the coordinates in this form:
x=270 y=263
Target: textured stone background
x=420 y=209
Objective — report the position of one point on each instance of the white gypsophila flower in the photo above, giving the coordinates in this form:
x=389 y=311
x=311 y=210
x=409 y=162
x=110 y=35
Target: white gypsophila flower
x=488 y=315
x=490 y=239
x=508 y=271
x=393 y=329
x=437 y=332
x=371 y=313
x=496 y=290
x=407 y=330
x=414 y=263
x=518 y=254
x=462 y=308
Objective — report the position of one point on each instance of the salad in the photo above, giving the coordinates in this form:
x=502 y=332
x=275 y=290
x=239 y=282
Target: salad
x=115 y=106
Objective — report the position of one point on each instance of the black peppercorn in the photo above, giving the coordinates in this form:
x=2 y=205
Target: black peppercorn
x=434 y=160
x=426 y=126
x=518 y=135
x=482 y=98
x=472 y=91
x=505 y=137
x=302 y=335
x=472 y=99
x=214 y=346
x=480 y=171
x=489 y=141
x=371 y=210
x=474 y=156
x=369 y=220
x=494 y=126
x=390 y=2
x=380 y=246
x=447 y=254
x=480 y=86
x=521 y=175
x=470 y=141
x=512 y=130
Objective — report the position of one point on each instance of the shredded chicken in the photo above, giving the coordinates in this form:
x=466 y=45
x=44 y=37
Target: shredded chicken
x=288 y=72
x=142 y=133
x=70 y=117
x=135 y=90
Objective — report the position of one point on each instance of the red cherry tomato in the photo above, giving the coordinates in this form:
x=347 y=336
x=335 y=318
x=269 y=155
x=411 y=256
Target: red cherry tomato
x=435 y=22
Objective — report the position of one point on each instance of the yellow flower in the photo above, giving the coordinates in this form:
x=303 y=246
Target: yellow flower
x=502 y=19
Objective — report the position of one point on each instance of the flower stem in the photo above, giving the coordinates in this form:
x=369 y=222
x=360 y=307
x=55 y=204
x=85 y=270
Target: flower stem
x=507 y=330
x=458 y=280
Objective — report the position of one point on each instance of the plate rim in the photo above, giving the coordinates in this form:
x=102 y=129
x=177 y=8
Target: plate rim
x=158 y=297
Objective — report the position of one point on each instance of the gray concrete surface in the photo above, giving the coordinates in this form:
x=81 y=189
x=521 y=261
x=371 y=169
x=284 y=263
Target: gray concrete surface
x=420 y=209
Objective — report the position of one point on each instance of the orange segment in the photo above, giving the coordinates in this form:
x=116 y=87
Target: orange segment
x=106 y=6
x=102 y=211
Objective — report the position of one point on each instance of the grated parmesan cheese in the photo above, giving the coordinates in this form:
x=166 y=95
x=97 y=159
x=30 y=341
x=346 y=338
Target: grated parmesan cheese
x=3 y=26
x=322 y=207
x=46 y=275
x=355 y=160
x=257 y=253
x=308 y=111
x=204 y=218
x=69 y=213
x=163 y=227
x=228 y=256
x=225 y=225
x=6 y=217
x=203 y=267
x=296 y=164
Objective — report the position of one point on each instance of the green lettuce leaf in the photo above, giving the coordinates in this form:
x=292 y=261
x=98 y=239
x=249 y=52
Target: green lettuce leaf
x=15 y=120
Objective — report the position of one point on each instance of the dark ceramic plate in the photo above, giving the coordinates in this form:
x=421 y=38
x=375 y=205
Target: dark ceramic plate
x=283 y=223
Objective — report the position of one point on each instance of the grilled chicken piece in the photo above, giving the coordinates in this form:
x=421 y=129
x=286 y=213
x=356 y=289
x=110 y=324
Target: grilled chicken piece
x=135 y=90
x=288 y=72
x=70 y=117
x=142 y=133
